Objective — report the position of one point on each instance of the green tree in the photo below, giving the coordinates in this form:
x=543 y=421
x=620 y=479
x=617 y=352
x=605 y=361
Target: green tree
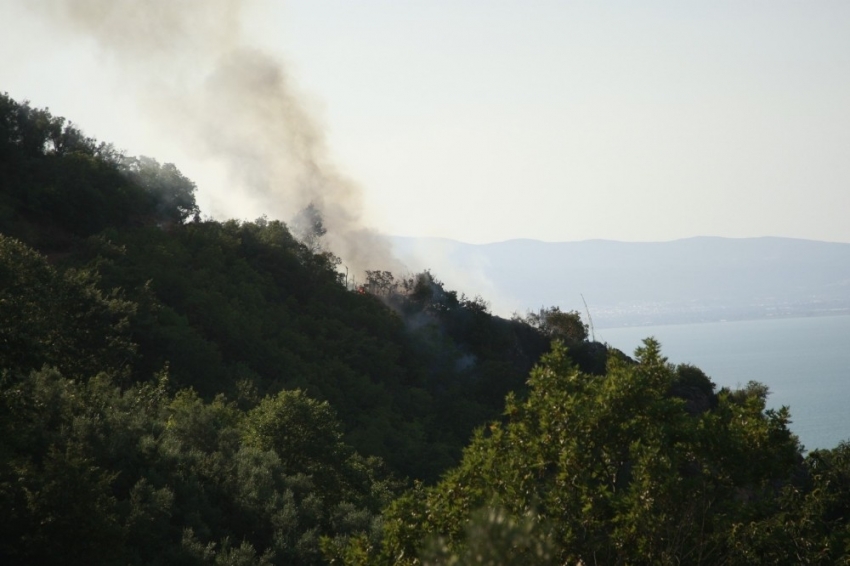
x=303 y=432
x=172 y=193
x=616 y=467
x=59 y=319
x=558 y=325
x=56 y=495
x=60 y=186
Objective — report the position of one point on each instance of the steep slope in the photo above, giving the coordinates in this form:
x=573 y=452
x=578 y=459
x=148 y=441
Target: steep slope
x=246 y=310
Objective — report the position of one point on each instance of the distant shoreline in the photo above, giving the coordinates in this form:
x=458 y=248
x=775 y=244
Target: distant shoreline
x=732 y=318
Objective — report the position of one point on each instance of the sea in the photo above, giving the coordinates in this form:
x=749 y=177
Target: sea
x=805 y=362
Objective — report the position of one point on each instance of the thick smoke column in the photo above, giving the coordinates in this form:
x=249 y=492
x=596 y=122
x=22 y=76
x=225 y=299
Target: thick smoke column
x=230 y=103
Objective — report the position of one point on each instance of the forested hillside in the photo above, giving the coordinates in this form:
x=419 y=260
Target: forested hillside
x=178 y=390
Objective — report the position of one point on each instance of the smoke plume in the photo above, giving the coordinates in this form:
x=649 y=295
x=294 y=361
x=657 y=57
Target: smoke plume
x=228 y=102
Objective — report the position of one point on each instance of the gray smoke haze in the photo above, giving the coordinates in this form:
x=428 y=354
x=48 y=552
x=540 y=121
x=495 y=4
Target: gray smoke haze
x=224 y=100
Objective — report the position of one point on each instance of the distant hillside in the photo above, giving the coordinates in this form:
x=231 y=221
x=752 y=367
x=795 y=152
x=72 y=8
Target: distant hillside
x=629 y=283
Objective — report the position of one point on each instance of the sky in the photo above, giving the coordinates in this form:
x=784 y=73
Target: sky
x=487 y=121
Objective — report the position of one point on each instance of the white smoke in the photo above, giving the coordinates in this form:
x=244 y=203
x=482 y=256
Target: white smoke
x=228 y=102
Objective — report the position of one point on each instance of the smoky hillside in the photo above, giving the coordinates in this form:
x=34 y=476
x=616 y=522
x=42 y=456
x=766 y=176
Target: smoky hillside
x=180 y=390
x=247 y=309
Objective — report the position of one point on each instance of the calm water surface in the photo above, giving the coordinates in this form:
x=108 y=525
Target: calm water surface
x=804 y=361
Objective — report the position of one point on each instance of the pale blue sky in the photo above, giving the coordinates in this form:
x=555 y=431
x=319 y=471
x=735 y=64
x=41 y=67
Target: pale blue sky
x=485 y=121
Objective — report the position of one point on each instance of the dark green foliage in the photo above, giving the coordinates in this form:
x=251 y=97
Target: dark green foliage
x=92 y=473
x=558 y=325
x=58 y=185
x=95 y=473
x=234 y=307
x=306 y=436
x=471 y=358
x=243 y=307
x=230 y=310
x=615 y=469
x=172 y=194
x=197 y=392
x=59 y=319
x=695 y=388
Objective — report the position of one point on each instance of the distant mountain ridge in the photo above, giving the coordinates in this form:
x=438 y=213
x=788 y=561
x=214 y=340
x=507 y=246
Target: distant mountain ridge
x=633 y=283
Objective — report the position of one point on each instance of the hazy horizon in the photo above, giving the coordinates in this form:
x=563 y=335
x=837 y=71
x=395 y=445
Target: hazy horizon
x=546 y=121
x=697 y=279
x=695 y=237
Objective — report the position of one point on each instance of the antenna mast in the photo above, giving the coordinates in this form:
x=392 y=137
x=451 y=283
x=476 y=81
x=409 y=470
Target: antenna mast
x=589 y=320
